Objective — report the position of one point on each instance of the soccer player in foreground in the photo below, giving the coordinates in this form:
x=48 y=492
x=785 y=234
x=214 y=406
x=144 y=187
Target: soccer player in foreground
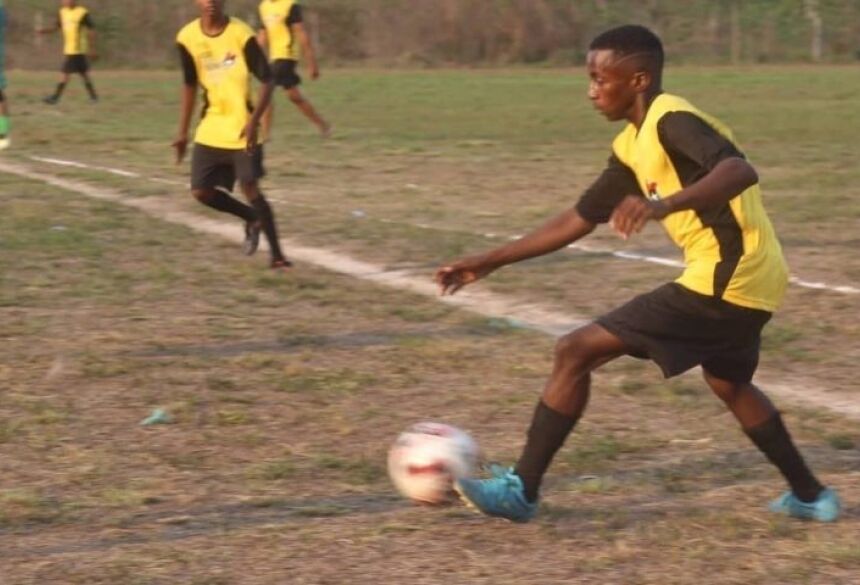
x=219 y=53
x=72 y=19
x=674 y=164
x=282 y=33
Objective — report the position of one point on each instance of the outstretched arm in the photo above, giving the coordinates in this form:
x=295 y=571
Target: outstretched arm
x=594 y=207
x=560 y=231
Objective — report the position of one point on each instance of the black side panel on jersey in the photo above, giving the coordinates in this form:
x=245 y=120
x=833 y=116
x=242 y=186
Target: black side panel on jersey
x=695 y=148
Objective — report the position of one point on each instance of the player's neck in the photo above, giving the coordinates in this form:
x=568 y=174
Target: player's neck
x=213 y=24
x=640 y=108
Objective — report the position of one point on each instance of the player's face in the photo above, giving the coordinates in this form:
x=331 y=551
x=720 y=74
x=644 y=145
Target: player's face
x=211 y=7
x=612 y=88
x=69 y=3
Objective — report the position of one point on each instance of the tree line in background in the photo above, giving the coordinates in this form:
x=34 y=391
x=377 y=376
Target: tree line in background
x=140 y=33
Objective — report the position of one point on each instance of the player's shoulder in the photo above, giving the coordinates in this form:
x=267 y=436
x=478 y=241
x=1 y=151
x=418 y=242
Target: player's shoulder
x=189 y=31
x=240 y=28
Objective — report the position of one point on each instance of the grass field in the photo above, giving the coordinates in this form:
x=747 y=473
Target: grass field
x=286 y=392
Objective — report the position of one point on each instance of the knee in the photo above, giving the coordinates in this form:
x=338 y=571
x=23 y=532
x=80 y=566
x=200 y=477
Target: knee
x=573 y=352
x=296 y=98
x=724 y=390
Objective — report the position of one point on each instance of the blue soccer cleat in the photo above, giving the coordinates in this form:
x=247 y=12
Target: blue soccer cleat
x=825 y=508
x=502 y=495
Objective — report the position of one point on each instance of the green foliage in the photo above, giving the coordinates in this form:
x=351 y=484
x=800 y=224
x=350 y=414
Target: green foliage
x=135 y=33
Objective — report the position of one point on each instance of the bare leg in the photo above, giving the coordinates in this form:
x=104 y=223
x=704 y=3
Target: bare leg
x=308 y=110
x=763 y=425
x=749 y=404
x=564 y=399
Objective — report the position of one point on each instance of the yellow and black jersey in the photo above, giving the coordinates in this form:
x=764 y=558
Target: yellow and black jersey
x=278 y=18
x=730 y=252
x=72 y=22
x=222 y=65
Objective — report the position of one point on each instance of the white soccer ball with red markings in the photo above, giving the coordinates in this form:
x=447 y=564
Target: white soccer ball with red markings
x=425 y=460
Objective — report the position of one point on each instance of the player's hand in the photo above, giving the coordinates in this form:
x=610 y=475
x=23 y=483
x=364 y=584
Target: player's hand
x=634 y=212
x=453 y=277
x=93 y=56
x=314 y=70
x=250 y=133
x=180 y=145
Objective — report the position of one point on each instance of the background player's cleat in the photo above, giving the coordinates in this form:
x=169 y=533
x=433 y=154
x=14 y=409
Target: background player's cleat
x=252 y=237
x=501 y=495
x=824 y=509
x=280 y=263
x=51 y=100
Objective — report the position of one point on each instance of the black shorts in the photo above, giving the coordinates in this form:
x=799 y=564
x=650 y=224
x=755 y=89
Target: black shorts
x=221 y=167
x=680 y=329
x=76 y=64
x=284 y=73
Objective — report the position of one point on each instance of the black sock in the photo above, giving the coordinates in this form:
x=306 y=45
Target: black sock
x=773 y=440
x=59 y=91
x=90 y=89
x=267 y=218
x=546 y=435
x=223 y=202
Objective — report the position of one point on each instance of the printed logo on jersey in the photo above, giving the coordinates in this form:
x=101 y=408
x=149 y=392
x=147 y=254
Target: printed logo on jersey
x=653 y=194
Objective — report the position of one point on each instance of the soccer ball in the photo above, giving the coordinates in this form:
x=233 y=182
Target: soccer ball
x=425 y=460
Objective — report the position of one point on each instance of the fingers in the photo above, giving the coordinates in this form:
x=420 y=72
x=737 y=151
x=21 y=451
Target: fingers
x=630 y=216
x=450 y=280
x=180 y=146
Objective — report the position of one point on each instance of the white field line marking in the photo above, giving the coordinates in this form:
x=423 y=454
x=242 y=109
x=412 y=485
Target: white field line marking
x=622 y=254
x=475 y=299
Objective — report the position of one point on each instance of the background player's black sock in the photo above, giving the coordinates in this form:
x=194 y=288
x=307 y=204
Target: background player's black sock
x=773 y=440
x=91 y=89
x=223 y=202
x=59 y=91
x=267 y=218
x=546 y=435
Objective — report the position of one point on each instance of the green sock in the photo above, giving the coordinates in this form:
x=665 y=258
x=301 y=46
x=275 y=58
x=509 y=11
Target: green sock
x=4 y=125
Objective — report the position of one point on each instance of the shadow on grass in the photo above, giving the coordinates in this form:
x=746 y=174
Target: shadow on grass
x=159 y=527
x=343 y=340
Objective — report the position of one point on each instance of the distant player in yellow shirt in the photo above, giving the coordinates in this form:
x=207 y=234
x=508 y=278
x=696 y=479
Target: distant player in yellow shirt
x=220 y=54
x=72 y=19
x=679 y=166
x=282 y=33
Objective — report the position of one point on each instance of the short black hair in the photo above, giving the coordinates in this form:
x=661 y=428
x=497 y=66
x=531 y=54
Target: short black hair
x=631 y=39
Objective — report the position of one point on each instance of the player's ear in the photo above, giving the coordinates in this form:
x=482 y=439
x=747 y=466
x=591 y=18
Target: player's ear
x=641 y=81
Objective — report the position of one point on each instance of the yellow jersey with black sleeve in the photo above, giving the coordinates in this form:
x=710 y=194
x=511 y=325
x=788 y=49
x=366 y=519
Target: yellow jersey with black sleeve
x=72 y=22
x=222 y=65
x=277 y=18
x=731 y=251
